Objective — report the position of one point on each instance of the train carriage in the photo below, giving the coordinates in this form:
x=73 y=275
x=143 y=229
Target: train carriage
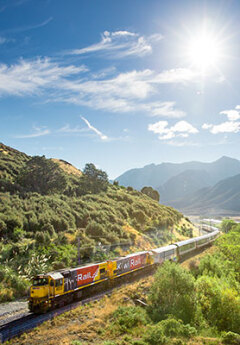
x=164 y=253
x=185 y=247
x=129 y=263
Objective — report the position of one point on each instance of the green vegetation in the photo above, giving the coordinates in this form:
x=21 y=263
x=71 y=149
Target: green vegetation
x=227 y=225
x=196 y=306
x=172 y=293
x=152 y=193
x=44 y=211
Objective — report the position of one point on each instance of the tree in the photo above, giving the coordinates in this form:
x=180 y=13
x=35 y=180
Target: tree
x=227 y=225
x=43 y=176
x=152 y=193
x=94 y=180
x=172 y=293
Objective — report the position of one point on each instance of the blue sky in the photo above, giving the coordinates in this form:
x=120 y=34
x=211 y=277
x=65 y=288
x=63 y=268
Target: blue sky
x=121 y=84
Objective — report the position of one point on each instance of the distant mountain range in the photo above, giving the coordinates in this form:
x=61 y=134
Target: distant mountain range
x=223 y=199
x=192 y=187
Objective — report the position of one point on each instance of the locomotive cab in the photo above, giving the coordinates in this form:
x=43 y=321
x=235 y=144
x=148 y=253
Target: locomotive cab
x=43 y=289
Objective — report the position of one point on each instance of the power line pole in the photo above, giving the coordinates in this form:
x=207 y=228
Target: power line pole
x=78 y=258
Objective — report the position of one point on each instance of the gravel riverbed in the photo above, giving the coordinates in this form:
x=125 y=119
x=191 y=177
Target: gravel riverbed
x=11 y=310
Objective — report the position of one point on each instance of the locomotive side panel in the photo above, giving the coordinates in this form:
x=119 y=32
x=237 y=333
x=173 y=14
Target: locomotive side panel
x=130 y=263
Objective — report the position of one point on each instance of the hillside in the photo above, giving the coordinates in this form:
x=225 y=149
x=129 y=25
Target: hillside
x=47 y=207
x=186 y=177
x=223 y=198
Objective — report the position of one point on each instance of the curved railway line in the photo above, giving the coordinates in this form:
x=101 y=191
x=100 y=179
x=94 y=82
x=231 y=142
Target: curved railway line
x=27 y=322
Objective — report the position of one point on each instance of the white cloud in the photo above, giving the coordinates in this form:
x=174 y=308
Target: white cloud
x=30 y=77
x=180 y=129
x=176 y=75
x=132 y=91
x=226 y=127
x=121 y=44
x=39 y=132
x=95 y=130
x=127 y=92
x=207 y=126
x=166 y=109
x=232 y=114
x=231 y=126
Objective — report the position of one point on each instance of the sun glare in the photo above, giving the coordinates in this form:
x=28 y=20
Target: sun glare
x=204 y=51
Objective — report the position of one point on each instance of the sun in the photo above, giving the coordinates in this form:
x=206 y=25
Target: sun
x=204 y=51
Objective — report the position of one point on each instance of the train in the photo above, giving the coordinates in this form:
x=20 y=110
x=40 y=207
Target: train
x=55 y=289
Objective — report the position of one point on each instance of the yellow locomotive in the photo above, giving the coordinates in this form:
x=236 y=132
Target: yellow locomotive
x=58 y=288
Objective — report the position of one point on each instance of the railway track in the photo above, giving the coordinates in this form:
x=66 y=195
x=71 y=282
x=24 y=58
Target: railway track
x=26 y=323
x=17 y=327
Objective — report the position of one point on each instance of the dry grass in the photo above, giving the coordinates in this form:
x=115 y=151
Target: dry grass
x=196 y=259
x=67 y=167
x=87 y=323
x=3 y=151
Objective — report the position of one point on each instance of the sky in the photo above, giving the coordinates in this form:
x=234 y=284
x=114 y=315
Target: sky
x=121 y=84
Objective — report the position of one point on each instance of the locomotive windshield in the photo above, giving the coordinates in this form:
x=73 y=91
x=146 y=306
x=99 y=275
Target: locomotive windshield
x=40 y=281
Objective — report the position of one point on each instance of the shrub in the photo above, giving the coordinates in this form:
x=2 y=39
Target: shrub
x=219 y=302
x=125 y=318
x=231 y=338
x=172 y=293
x=155 y=335
x=172 y=327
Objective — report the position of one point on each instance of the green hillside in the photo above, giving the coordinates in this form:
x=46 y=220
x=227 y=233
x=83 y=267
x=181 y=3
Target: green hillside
x=47 y=207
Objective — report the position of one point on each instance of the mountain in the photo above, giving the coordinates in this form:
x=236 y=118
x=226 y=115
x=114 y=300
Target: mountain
x=223 y=198
x=186 y=182
x=157 y=175
x=177 y=181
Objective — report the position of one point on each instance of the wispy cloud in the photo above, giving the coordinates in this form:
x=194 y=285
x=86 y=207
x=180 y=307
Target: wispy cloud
x=68 y=129
x=181 y=129
x=5 y=4
x=39 y=132
x=95 y=130
x=28 y=27
x=127 y=92
x=132 y=91
x=33 y=76
x=121 y=44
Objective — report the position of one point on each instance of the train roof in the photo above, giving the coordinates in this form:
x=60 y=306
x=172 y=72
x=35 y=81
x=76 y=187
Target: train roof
x=129 y=255
x=163 y=249
x=183 y=243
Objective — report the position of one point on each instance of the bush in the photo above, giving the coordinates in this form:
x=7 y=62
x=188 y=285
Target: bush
x=227 y=225
x=155 y=335
x=172 y=328
x=125 y=318
x=219 y=302
x=231 y=338
x=172 y=293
